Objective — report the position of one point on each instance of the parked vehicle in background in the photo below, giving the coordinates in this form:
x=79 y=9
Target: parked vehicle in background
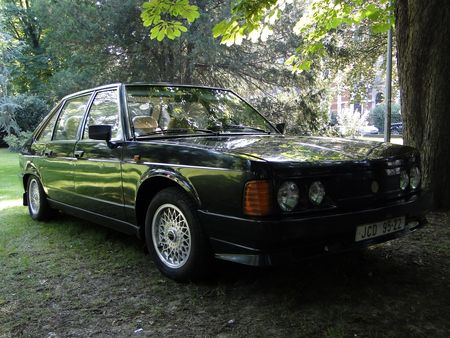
x=368 y=130
x=397 y=128
x=198 y=173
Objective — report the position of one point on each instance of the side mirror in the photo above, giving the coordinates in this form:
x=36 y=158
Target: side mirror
x=100 y=132
x=280 y=127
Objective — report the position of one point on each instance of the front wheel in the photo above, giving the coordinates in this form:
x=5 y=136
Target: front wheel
x=37 y=200
x=174 y=236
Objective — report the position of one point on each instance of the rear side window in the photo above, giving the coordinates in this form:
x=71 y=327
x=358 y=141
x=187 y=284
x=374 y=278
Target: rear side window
x=70 y=118
x=46 y=133
x=104 y=111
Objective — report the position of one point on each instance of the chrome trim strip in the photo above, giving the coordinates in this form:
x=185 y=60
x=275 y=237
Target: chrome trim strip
x=67 y=158
x=178 y=165
x=101 y=160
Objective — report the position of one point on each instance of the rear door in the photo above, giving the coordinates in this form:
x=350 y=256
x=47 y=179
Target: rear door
x=57 y=164
x=98 y=169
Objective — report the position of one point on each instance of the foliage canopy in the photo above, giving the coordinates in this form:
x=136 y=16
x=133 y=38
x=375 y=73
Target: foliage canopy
x=255 y=20
x=84 y=44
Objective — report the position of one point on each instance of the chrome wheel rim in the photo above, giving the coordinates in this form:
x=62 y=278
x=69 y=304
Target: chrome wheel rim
x=34 y=197
x=171 y=236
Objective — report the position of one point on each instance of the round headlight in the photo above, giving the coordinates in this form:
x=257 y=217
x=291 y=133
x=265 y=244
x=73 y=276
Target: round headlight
x=288 y=196
x=415 y=177
x=404 y=180
x=316 y=192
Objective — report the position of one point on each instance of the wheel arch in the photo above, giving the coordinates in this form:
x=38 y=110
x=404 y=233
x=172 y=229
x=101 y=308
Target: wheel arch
x=153 y=183
x=30 y=170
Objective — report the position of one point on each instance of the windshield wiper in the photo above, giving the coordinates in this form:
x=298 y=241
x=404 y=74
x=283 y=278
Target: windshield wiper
x=228 y=127
x=209 y=131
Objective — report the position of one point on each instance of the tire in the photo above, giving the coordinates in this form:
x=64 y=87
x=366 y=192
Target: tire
x=174 y=236
x=38 y=206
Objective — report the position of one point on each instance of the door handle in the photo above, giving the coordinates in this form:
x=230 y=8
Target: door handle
x=79 y=153
x=48 y=153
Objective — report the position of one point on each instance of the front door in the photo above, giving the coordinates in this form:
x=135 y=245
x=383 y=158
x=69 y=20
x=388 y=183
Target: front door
x=98 y=172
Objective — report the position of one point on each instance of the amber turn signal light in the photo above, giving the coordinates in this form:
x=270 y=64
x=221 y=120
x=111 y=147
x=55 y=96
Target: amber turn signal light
x=258 y=198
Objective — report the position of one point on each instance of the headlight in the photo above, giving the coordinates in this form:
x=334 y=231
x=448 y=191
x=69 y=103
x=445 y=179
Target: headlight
x=316 y=192
x=415 y=177
x=288 y=196
x=404 y=180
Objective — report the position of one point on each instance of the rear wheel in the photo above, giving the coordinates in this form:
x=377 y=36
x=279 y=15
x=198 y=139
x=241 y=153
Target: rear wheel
x=174 y=236
x=37 y=200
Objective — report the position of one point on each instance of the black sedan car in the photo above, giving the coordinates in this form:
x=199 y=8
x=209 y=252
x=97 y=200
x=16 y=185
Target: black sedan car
x=198 y=173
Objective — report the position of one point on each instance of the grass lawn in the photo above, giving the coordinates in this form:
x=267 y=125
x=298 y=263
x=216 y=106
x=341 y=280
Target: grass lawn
x=9 y=179
x=71 y=278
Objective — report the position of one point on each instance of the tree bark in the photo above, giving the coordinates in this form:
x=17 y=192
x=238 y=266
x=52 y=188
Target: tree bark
x=423 y=46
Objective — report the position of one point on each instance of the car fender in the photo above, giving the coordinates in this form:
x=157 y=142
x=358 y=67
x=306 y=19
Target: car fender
x=30 y=169
x=173 y=176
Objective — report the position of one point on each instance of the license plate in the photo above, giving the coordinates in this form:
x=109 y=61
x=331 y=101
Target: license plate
x=373 y=230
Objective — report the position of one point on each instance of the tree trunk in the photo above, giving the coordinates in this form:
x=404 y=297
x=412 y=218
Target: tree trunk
x=423 y=45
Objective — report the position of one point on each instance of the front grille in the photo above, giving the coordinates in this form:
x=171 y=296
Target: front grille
x=353 y=186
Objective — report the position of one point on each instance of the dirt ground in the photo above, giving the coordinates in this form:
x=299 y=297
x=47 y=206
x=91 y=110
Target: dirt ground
x=69 y=278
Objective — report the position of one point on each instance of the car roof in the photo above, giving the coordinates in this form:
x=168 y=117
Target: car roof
x=156 y=84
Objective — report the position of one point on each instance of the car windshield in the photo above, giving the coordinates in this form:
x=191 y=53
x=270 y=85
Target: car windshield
x=156 y=110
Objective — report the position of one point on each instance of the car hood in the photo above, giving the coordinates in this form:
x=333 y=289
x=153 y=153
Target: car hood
x=279 y=148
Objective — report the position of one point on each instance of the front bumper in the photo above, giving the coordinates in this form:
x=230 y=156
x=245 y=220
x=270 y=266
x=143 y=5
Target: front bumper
x=263 y=242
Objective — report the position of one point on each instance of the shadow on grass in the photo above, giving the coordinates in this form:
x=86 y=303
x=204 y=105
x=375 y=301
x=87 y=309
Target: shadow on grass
x=364 y=269
x=75 y=278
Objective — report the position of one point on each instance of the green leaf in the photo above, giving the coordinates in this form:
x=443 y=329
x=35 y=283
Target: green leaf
x=156 y=19
x=305 y=65
x=220 y=28
x=173 y=12
x=177 y=32
x=148 y=5
x=381 y=27
x=170 y=33
x=291 y=60
x=146 y=21
x=161 y=34
x=372 y=12
x=334 y=23
x=192 y=14
x=154 y=32
x=314 y=48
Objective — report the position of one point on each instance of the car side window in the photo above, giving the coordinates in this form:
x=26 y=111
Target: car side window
x=46 y=133
x=104 y=111
x=70 y=118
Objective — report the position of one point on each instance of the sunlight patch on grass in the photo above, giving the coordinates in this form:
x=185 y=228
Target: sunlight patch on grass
x=9 y=204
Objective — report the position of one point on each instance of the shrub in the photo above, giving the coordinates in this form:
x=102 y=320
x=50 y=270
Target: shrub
x=351 y=121
x=16 y=143
x=377 y=115
x=30 y=111
x=8 y=123
x=19 y=114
